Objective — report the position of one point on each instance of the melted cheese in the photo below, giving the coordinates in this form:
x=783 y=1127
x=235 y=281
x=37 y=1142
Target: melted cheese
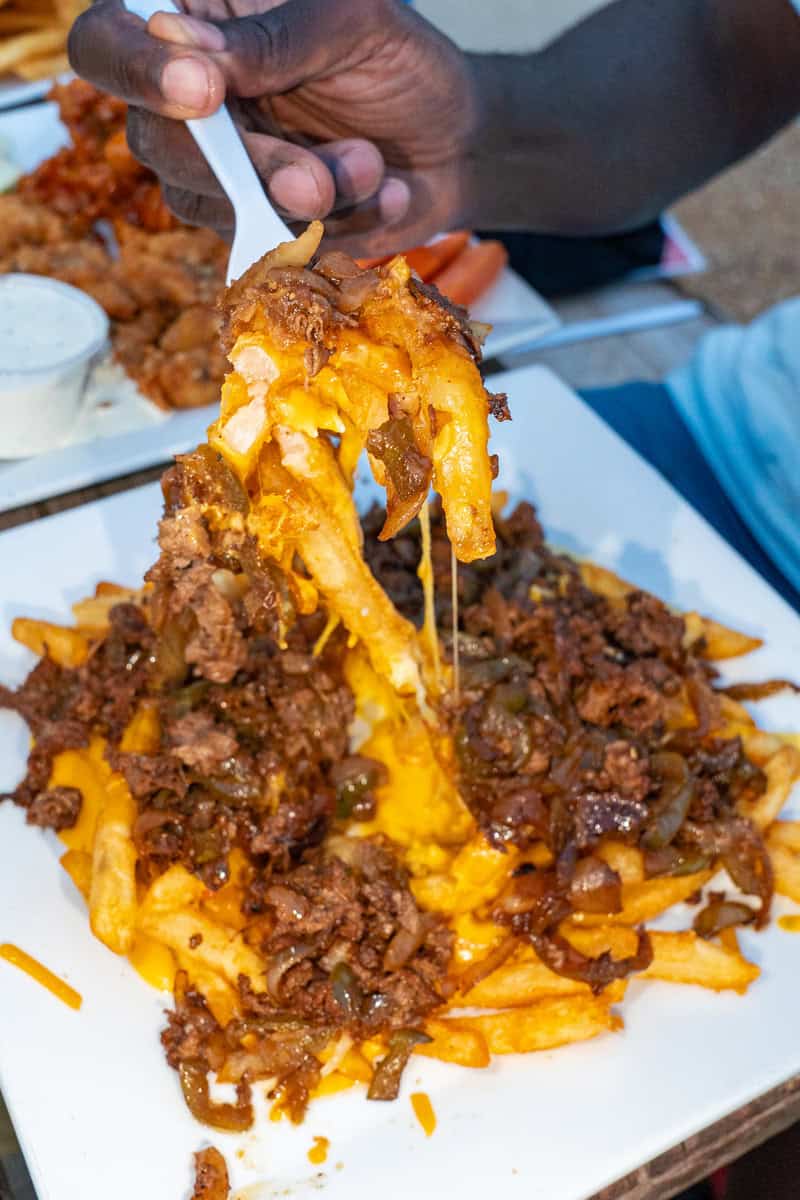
x=419 y=808
x=425 y=573
x=475 y=876
x=275 y=431
x=154 y=962
x=87 y=771
x=454 y=607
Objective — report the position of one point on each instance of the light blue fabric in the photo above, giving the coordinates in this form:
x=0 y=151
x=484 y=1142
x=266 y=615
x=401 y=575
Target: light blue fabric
x=740 y=397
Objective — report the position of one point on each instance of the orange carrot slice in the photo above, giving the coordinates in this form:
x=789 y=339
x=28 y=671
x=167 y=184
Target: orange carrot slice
x=367 y=264
x=472 y=273
x=427 y=261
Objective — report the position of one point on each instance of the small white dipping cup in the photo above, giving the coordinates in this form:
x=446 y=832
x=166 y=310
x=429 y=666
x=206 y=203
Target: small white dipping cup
x=49 y=334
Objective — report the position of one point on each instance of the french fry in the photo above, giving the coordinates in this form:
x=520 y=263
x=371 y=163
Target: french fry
x=220 y=950
x=112 y=896
x=604 y=581
x=736 y=717
x=106 y=588
x=525 y=980
x=219 y=995
x=643 y=901
x=687 y=958
x=93 y=612
x=454 y=1043
x=78 y=865
x=782 y=771
x=785 y=833
x=21 y=47
x=761 y=746
x=544 y=1025
x=721 y=642
x=67 y=647
x=620 y=941
x=14 y=21
x=627 y=861
x=42 y=68
x=786 y=866
x=69 y=10
x=177 y=888
x=518 y=983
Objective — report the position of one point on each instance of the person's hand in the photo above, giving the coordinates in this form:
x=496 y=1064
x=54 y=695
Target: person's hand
x=356 y=111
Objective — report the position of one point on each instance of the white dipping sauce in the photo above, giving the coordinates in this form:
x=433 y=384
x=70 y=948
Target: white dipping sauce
x=41 y=328
x=49 y=333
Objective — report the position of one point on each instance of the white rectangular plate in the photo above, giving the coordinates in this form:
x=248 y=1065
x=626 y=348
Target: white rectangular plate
x=93 y=1101
x=128 y=433
x=14 y=91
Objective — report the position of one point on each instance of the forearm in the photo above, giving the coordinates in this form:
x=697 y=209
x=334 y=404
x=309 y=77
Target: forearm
x=633 y=108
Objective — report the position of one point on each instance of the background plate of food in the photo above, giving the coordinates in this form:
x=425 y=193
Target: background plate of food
x=89 y=1092
x=33 y=46
x=79 y=208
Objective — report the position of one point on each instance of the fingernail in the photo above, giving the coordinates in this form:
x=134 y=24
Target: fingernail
x=394 y=200
x=185 y=82
x=295 y=188
x=358 y=172
x=187 y=31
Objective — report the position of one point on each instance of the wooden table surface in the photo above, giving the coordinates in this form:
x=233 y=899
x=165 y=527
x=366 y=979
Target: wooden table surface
x=647 y=355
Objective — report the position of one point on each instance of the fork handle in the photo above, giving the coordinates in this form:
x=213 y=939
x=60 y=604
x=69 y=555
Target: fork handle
x=223 y=148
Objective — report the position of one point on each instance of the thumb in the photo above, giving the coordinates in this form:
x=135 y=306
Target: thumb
x=273 y=51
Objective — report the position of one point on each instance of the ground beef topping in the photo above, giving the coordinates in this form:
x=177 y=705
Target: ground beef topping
x=579 y=718
x=346 y=941
x=58 y=808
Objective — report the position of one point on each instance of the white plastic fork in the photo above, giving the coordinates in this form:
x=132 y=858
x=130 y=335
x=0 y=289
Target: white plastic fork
x=258 y=226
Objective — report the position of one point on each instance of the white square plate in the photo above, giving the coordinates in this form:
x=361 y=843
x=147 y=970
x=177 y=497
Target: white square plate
x=97 y=1109
x=119 y=431
x=15 y=91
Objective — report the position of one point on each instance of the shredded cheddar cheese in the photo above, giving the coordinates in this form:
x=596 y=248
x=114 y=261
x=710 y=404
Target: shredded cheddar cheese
x=318 y=1154
x=423 y=1111
x=32 y=967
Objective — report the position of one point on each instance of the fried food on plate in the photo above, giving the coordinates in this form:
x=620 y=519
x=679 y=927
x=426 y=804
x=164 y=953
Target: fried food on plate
x=161 y=288
x=333 y=852
x=157 y=280
x=33 y=36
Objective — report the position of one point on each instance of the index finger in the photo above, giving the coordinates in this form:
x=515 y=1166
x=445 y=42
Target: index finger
x=113 y=50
